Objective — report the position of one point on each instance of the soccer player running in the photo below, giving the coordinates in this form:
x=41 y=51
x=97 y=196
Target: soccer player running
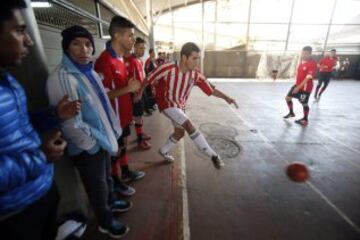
x=173 y=83
x=326 y=66
x=304 y=83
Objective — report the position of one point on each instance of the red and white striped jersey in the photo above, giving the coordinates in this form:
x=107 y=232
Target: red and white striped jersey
x=173 y=87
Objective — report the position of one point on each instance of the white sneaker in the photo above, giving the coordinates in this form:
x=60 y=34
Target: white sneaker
x=167 y=157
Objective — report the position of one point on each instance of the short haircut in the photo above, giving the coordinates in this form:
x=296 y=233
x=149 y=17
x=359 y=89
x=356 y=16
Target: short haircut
x=307 y=48
x=188 y=48
x=139 y=40
x=119 y=23
x=7 y=7
x=151 y=50
x=333 y=50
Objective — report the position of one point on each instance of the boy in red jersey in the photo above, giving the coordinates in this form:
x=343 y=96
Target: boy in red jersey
x=326 y=66
x=304 y=83
x=150 y=65
x=135 y=69
x=173 y=83
x=161 y=59
x=116 y=81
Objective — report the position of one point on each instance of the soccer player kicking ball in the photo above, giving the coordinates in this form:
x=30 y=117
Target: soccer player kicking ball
x=304 y=83
x=173 y=83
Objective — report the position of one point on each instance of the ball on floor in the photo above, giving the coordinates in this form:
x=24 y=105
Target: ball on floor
x=297 y=172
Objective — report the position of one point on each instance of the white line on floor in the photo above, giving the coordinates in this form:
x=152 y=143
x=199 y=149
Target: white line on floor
x=337 y=141
x=183 y=185
x=313 y=187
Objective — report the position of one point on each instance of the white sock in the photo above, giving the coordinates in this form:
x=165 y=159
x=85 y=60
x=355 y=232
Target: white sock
x=170 y=143
x=202 y=144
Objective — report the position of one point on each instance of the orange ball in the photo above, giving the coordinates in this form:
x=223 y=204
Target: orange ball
x=297 y=172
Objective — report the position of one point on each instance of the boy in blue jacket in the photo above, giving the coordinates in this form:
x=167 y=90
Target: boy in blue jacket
x=28 y=195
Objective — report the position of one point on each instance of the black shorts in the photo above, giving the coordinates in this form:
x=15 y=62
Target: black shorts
x=302 y=96
x=138 y=108
x=324 y=77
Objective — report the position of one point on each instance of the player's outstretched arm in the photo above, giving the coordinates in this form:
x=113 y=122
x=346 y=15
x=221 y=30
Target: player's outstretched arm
x=229 y=100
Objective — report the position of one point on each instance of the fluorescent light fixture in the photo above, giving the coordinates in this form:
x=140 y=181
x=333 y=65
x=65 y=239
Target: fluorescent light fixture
x=41 y=4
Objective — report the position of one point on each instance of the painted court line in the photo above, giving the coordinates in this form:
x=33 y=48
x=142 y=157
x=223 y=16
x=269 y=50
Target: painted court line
x=185 y=200
x=338 y=142
x=313 y=187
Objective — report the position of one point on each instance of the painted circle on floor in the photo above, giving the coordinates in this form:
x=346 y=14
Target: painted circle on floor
x=217 y=129
x=226 y=148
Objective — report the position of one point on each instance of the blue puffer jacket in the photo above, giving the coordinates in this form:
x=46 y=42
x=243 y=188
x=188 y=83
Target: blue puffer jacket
x=25 y=175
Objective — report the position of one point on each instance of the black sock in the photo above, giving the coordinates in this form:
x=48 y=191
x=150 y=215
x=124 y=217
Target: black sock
x=290 y=106
x=125 y=169
x=306 y=112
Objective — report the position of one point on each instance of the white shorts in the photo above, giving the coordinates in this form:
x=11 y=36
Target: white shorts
x=176 y=115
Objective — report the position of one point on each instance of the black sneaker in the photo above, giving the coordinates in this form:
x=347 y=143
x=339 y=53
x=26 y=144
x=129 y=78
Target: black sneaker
x=120 y=206
x=147 y=113
x=116 y=229
x=122 y=188
x=302 y=121
x=289 y=115
x=217 y=161
x=130 y=176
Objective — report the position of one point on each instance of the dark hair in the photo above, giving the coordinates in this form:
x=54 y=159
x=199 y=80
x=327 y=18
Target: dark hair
x=151 y=50
x=188 y=48
x=139 y=40
x=7 y=7
x=307 y=48
x=119 y=23
x=333 y=50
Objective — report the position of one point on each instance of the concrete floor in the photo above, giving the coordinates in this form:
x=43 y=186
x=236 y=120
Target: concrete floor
x=251 y=198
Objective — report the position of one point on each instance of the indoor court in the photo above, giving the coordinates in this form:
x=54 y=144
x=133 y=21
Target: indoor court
x=248 y=128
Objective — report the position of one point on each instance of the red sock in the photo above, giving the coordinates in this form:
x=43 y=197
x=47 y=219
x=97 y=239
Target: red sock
x=124 y=159
x=138 y=129
x=290 y=106
x=306 y=112
x=115 y=167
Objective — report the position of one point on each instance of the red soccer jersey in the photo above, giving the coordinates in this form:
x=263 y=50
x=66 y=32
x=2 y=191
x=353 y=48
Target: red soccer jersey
x=172 y=87
x=135 y=68
x=306 y=68
x=115 y=76
x=329 y=63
